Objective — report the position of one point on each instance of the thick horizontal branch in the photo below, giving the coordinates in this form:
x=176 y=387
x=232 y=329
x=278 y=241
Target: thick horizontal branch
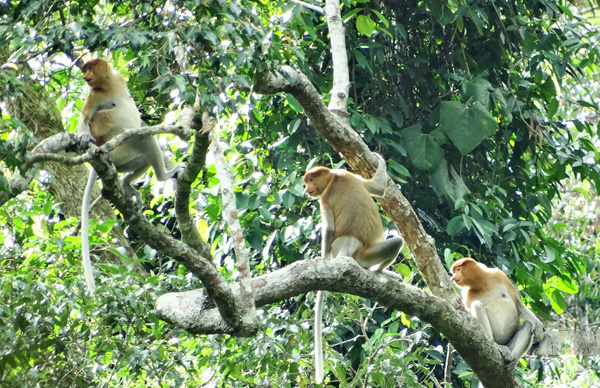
x=195 y=312
x=48 y=148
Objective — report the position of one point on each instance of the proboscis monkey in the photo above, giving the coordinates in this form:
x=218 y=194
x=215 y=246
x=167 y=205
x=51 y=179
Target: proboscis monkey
x=109 y=110
x=490 y=296
x=351 y=226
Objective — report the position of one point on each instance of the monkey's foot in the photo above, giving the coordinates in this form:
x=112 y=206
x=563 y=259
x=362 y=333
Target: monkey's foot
x=178 y=170
x=509 y=360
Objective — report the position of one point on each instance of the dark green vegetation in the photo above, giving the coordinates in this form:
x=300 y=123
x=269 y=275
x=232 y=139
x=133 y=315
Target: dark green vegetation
x=484 y=111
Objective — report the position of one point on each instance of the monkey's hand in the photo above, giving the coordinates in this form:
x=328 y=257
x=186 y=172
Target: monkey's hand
x=538 y=330
x=507 y=356
x=178 y=170
x=85 y=140
x=82 y=142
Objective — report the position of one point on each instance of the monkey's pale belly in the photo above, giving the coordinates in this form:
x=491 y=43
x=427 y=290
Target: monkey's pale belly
x=504 y=318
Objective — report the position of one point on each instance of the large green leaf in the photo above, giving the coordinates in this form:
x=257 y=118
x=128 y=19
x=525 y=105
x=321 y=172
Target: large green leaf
x=423 y=151
x=466 y=126
x=448 y=183
x=478 y=90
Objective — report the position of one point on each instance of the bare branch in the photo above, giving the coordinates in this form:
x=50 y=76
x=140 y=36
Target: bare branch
x=230 y=213
x=47 y=149
x=215 y=284
x=341 y=78
x=310 y=6
x=196 y=163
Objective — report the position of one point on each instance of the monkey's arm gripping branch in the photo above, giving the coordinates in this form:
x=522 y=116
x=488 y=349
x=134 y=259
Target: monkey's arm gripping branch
x=328 y=226
x=326 y=242
x=528 y=316
x=215 y=284
x=193 y=311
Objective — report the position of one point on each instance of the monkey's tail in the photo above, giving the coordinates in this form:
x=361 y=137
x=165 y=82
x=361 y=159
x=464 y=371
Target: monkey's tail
x=319 y=373
x=85 y=226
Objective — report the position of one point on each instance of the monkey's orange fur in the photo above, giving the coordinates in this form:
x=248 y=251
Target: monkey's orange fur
x=351 y=227
x=479 y=280
x=108 y=111
x=345 y=196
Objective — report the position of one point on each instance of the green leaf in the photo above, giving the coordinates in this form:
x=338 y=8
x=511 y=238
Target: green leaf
x=455 y=226
x=478 y=90
x=565 y=286
x=381 y=18
x=362 y=61
x=557 y=301
x=552 y=108
x=423 y=151
x=466 y=126
x=365 y=25
x=448 y=183
x=294 y=104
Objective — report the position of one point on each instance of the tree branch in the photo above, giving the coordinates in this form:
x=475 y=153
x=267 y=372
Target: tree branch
x=195 y=164
x=230 y=214
x=341 y=77
x=46 y=150
x=201 y=266
x=193 y=310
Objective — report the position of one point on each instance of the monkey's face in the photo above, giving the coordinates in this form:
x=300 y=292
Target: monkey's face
x=94 y=71
x=316 y=180
x=461 y=270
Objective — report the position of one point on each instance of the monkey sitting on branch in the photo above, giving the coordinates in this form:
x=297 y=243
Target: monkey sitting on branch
x=108 y=110
x=351 y=226
x=489 y=295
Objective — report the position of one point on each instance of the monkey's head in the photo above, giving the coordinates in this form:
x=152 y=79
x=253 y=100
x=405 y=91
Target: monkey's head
x=316 y=180
x=464 y=270
x=95 y=72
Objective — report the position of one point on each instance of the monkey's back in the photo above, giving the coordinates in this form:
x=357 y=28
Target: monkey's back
x=354 y=210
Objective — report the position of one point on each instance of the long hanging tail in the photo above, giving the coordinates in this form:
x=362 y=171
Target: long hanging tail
x=318 y=329
x=85 y=226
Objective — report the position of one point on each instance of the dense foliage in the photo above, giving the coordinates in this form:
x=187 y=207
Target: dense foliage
x=484 y=110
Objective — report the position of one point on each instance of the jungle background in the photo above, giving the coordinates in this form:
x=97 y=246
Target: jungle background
x=486 y=111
